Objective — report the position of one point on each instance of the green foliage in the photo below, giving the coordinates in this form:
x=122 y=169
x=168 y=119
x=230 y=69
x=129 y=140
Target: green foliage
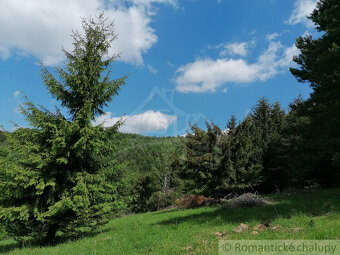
x=270 y=120
x=160 y=200
x=202 y=164
x=65 y=176
x=57 y=176
x=142 y=191
x=269 y=149
x=82 y=87
x=245 y=156
x=151 y=179
x=148 y=194
x=319 y=64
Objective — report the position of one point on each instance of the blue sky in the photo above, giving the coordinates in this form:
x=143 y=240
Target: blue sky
x=188 y=60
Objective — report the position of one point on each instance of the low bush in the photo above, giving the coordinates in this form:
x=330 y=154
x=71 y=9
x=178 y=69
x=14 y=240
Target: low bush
x=2 y=233
x=191 y=201
x=248 y=200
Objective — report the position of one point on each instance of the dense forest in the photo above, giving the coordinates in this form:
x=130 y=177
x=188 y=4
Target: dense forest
x=64 y=175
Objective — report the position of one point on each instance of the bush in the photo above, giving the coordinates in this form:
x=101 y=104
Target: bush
x=191 y=201
x=248 y=200
x=2 y=233
x=160 y=200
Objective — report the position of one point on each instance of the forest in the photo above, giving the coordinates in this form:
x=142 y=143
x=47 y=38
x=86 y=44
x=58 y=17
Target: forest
x=65 y=177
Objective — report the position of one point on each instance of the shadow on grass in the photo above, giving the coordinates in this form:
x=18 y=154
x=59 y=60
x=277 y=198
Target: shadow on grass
x=166 y=211
x=314 y=203
x=63 y=239
x=8 y=245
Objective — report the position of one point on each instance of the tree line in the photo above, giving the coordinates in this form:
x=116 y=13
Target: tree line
x=64 y=177
x=271 y=150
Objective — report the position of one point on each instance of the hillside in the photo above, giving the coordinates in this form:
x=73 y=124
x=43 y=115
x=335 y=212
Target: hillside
x=307 y=215
x=134 y=158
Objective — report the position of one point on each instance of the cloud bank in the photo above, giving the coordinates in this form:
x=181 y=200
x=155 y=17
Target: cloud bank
x=235 y=49
x=207 y=75
x=302 y=9
x=42 y=27
x=146 y=122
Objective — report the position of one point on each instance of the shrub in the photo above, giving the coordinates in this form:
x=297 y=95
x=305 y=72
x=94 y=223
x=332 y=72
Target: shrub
x=191 y=201
x=248 y=200
x=160 y=200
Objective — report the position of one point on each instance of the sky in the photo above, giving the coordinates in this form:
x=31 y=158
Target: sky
x=189 y=61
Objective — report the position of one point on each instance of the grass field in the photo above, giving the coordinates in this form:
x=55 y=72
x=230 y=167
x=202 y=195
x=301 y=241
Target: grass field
x=302 y=215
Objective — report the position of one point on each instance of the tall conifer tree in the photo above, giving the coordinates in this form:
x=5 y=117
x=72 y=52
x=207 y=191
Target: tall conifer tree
x=319 y=64
x=58 y=179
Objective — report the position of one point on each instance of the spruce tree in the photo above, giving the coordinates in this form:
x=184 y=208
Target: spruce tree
x=58 y=179
x=203 y=170
x=269 y=121
x=319 y=65
x=228 y=155
x=247 y=155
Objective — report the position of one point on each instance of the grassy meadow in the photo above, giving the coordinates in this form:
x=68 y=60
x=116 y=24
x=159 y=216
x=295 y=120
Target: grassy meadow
x=302 y=215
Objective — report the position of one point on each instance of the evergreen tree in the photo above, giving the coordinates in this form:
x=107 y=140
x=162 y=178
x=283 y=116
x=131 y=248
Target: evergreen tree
x=203 y=160
x=247 y=155
x=269 y=120
x=295 y=148
x=143 y=188
x=228 y=155
x=252 y=159
x=319 y=64
x=59 y=177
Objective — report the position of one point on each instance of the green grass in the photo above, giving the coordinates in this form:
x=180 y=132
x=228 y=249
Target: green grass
x=192 y=231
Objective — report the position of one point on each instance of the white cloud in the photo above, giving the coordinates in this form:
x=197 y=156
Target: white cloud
x=4 y=52
x=42 y=27
x=207 y=75
x=271 y=37
x=152 y=69
x=140 y=123
x=17 y=93
x=288 y=55
x=148 y=3
x=235 y=49
x=302 y=9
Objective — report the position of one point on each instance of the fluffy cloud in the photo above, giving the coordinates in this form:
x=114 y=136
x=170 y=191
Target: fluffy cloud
x=235 y=49
x=41 y=27
x=206 y=75
x=302 y=9
x=140 y=123
x=289 y=53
